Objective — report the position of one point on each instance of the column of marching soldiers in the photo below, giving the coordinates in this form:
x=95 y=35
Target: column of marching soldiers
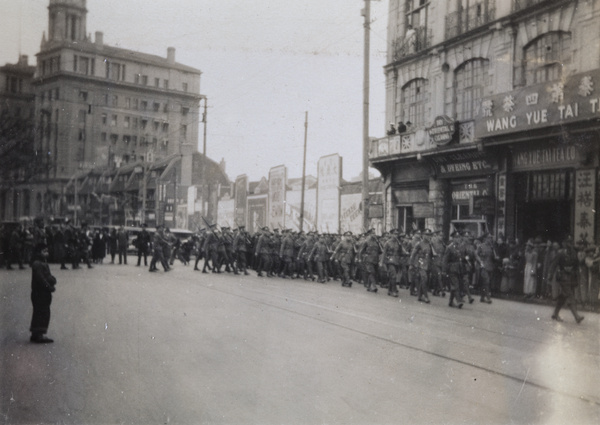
x=421 y=262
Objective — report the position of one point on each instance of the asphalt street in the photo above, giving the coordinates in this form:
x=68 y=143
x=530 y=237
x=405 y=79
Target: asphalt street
x=133 y=347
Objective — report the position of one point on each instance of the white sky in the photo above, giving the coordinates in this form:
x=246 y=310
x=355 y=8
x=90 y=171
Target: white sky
x=264 y=64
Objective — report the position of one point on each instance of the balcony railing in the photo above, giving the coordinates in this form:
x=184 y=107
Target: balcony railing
x=524 y=4
x=465 y=20
x=411 y=44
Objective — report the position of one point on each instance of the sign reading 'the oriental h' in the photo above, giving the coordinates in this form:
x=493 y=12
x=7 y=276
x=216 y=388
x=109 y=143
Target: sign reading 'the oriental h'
x=577 y=98
x=442 y=131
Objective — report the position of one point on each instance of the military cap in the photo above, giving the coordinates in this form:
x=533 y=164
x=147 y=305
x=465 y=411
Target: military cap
x=348 y=233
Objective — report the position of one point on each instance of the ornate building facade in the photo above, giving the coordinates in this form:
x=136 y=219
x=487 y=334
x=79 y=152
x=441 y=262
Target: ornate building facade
x=495 y=114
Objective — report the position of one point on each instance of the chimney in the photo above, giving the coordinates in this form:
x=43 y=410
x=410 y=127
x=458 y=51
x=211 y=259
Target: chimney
x=171 y=54
x=99 y=38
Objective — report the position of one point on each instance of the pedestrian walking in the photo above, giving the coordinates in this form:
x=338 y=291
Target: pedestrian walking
x=43 y=284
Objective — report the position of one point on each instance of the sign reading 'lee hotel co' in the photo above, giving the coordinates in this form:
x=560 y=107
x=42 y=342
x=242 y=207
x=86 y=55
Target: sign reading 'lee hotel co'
x=540 y=105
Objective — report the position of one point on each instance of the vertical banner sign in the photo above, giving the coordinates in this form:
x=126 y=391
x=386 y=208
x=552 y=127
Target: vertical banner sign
x=585 y=202
x=241 y=199
x=328 y=193
x=277 y=186
x=501 y=205
x=293 y=201
x=351 y=218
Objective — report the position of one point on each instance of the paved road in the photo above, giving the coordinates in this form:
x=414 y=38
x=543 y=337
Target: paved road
x=134 y=347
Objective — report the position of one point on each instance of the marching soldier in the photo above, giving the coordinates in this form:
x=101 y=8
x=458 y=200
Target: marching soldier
x=158 y=243
x=565 y=267
x=371 y=250
x=263 y=253
x=305 y=249
x=319 y=254
x=286 y=253
x=391 y=258
x=211 y=245
x=344 y=253
x=451 y=267
x=468 y=255
x=241 y=244
x=486 y=256
x=436 y=275
x=143 y=245
x=421 y=258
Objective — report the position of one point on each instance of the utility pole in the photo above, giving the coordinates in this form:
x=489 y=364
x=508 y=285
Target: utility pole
x=204 y=159
x=365 y=176
x=303 y=172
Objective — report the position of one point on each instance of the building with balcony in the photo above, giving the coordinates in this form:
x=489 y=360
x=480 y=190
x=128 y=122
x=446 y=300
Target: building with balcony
x=101 y=107
x=494 y=117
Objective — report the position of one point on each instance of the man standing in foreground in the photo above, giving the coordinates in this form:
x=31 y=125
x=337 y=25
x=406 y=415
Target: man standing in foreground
x=42 y=286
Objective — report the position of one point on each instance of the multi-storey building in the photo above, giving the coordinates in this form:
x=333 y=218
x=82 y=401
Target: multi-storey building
x=103 y=106
x=495 y=108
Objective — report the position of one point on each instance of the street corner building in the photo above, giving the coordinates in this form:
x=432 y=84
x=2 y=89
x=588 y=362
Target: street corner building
x=107 y=123
x=493 y=109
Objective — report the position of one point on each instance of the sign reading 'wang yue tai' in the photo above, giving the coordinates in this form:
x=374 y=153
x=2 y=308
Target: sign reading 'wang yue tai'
x=541 y=105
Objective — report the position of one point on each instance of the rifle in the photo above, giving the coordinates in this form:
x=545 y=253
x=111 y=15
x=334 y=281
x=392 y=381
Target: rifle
x=211 y=229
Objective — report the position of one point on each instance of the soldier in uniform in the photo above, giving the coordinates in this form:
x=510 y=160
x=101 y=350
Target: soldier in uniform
x=305 y=249
x=227 y=250
x=467 y=255
x=263 y=252
x=158 y=243
x=319 y=254
x=371 y=250
x=421 y=258
x=486 y=256
x=412 y=265
x=391 y=258
x=275 y=248
x=122 y=244
x=211 y=245
x=16 y=247
x=436 y=275
x=451 y=267
x=241 y=243
x=344 y=252
x=286 y=253
x=565 y=268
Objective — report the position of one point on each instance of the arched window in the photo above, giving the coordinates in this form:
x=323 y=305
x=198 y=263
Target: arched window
x=545 y=57
x=414 y=98
x=470 y=79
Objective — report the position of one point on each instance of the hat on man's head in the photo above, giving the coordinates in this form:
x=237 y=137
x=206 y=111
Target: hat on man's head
x=348 y=233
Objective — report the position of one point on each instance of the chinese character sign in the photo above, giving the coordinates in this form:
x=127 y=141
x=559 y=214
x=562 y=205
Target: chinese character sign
x=241 y=198
x=328 y=193
x=585 y=202
x=277 y=184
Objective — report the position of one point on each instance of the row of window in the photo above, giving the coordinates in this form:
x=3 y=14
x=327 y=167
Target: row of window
x=544 y=60
x=115 y=71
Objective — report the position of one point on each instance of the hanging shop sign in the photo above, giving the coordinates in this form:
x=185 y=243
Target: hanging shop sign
x=465 y=192
x=464 y=164
x=575 y=99
x=443 y=130
x=545 y=157
x=585 y=202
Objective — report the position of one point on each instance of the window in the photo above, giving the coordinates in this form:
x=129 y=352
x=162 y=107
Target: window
x=115 y=101
x=156 y=106
x=156 y=125
x=104 y=119
x=470 y=80
x=144 y=80
x=113 y=121
x=545 y=57
x=128 y=102
x=134 y=123
x=183 y=131
x=406 y=220
x=165 y=127
x=157 y=82
x=185 y=87
x=56 y=93
x=114 y=138
x=83 y=95
x=144 y=123
x=136 y=78
x=548 y=186
x=115 y=71
x=103 y=137
x=414 y=98
x=127 y=122
x=126 y=139
x=166 y=84
x=83 y=65
x=144 y=105
x=136 y=104
x=185 y=111
x=134 y=140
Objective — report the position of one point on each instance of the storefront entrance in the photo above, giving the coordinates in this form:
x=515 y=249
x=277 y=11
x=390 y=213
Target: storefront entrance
x=543 y=207
x=550 y=220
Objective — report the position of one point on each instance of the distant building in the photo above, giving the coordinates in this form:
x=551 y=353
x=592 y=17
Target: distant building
x=98 y=106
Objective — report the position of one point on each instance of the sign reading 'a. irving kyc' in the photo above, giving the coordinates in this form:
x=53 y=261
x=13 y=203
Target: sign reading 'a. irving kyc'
x=540 y=105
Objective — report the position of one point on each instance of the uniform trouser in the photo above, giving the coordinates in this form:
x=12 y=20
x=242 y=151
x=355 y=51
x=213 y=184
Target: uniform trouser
x=346 y=273
x=264 y=263
x=288 y=264
x=485 y=280
x=40 y=318
x=16 y=256
x=413 y=279
x=393 y=271
x=566 y=297
x=437 y=283
x=465 y=282
x=144 y=253
x=422 y=283
x=275 y=264
x=158 y=256
x=241 y=261
x=454 y=283
x=371 y=275
x=321 y=270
